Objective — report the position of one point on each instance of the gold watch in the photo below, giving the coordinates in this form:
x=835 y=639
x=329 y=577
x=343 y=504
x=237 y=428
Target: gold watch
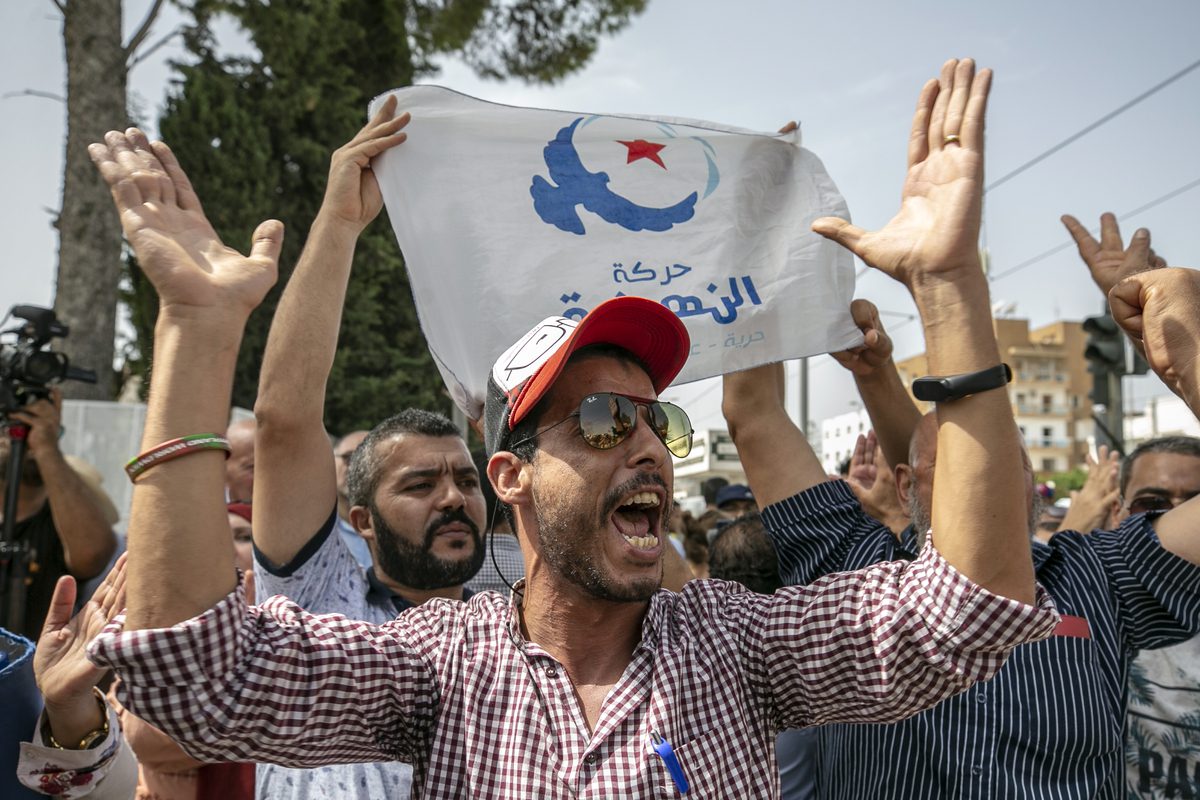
x=91 y=739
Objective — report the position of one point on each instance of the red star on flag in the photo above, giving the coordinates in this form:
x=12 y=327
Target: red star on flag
x=640 y=148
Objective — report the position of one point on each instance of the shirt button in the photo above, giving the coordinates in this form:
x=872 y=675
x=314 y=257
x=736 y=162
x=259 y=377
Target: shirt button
x=976 y=770
x=589 y=759
x=551 y=672
x=981 y=697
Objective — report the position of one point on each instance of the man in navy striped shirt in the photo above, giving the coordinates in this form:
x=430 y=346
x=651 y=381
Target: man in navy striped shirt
x=1162 y=749
x=1050 y=724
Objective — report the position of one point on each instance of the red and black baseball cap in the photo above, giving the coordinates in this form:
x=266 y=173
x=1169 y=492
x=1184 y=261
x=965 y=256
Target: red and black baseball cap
x=240 y=509
x=524 y=374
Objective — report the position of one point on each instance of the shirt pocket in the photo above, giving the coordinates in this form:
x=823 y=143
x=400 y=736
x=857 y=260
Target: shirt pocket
x=715 y=768
x=1065 y=698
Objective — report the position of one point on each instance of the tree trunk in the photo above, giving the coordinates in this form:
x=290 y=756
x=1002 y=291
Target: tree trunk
x=89 y=254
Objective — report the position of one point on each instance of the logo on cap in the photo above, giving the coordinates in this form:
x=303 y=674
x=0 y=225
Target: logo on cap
x=519 y=362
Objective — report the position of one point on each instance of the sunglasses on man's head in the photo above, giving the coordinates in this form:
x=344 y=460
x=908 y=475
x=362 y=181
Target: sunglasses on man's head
x=606 y=419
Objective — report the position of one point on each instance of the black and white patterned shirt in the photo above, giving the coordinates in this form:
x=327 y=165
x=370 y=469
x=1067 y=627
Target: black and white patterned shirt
x=1049 y=725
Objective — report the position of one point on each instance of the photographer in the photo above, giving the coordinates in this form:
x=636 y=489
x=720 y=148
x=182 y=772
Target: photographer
x=59 y=517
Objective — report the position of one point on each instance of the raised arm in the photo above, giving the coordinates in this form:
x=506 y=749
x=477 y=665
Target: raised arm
x=777 y=458
x=294 y=484
x=206 y=292
x=894 y=417
x=1160 y=310
x=931 y=245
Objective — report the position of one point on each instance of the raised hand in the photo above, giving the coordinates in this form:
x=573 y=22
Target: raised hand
x=352 y=194
x=1160 y=310
x=936 y=232
x=60 y=664
x=177 y=248
x=874 y=485
x=876 y=349
x=1093 y=504
x=863 y=470
x=1109 y=261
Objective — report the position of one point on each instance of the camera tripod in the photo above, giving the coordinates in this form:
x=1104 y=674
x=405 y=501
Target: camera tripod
x=14 y=555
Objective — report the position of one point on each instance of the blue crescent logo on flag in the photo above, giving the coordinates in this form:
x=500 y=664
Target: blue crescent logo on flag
x=578 y=186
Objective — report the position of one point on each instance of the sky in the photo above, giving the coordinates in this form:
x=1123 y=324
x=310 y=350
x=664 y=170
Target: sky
x=848 y=72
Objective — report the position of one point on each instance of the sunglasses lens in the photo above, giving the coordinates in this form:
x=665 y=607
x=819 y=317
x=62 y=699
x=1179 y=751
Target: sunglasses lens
x=1140 y=505
x=672 y=425
x=606 y=419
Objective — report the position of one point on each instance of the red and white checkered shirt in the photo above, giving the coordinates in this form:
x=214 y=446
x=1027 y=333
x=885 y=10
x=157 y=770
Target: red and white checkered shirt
x=480 y=712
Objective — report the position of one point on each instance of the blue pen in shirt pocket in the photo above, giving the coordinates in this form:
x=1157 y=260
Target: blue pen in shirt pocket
x=662 y=748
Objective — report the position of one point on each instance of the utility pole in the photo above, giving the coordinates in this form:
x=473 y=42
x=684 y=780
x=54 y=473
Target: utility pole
x=804 y=396
x=1105 y=352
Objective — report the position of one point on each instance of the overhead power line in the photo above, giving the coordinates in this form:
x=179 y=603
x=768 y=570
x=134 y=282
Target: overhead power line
x=1083 y=132
x=1071 y=242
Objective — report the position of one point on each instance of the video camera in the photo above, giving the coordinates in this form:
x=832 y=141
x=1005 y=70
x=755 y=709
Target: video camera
x=27 y=368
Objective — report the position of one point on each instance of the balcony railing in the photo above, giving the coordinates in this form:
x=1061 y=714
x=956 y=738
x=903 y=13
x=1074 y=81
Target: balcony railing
x=1041 y=409
x=1046 y=443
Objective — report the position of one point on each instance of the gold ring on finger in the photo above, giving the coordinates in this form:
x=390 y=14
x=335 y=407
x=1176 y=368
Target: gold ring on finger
x=951 y=138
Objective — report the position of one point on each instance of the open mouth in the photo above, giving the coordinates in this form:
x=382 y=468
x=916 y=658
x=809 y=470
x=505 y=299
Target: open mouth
x=637 y=520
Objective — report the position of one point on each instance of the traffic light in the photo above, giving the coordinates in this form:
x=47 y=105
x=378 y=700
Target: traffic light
x=1105 y=353
x=1099 y=395
x=1105 y=349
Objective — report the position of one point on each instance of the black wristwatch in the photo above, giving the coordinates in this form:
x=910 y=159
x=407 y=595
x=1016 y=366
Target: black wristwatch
x=951 y=387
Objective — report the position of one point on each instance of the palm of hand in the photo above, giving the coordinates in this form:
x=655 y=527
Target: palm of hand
x=188 y=263
x=936 y=229
x=1107 y=268
x=863 y=475
x=60 y=661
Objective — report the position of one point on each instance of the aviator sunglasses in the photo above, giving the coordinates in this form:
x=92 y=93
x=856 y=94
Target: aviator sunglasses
x=606 y=419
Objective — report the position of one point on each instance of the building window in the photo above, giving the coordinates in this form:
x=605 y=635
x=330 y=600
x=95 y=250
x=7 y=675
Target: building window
x=1049 y=465
x=1047 y=433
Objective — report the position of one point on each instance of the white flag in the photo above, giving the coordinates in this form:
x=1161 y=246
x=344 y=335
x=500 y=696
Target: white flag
x=509 y=215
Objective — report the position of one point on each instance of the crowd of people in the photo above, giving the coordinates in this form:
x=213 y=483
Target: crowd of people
x=545 y=620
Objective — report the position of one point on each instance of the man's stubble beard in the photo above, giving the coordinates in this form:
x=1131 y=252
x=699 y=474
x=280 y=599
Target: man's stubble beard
x=565 y=532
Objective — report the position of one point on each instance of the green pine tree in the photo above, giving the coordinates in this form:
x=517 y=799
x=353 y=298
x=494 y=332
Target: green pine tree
x=255 y=135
